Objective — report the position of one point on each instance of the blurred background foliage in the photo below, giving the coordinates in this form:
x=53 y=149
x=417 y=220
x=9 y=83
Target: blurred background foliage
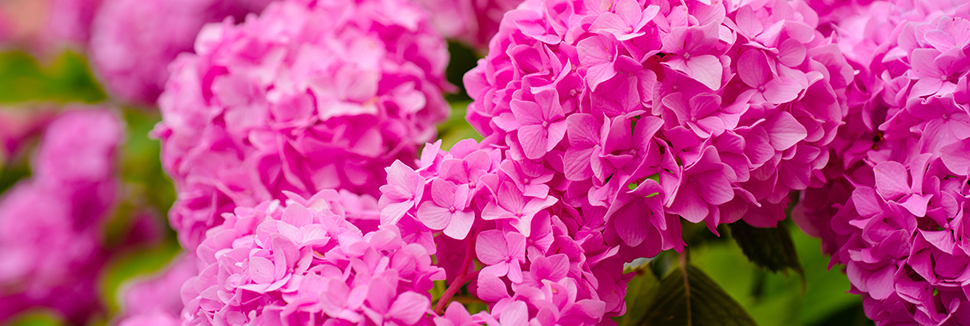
x=817 y=297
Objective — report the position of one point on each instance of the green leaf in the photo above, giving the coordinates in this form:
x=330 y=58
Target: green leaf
x=456 y=128
x=691 y=298
x=37 y=317
x=639 y=293
x=770 y=248
x=67 y=78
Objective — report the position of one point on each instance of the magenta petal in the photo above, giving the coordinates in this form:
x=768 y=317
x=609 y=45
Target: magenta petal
x=880 y=283
x=297 y=215
x=689 y=205
x=515 y=314
x=534 y=139
x=409 y=307
x=784 y=131
x=433 y=216
x=461 y=224
x=631 y=223
x=891 y=180
x=753 y=68
x=782 y=90
x=706 y=69
x=791 y=53
x=955 y=157
x=261 y=270
x=577 y=164
x=491 y=247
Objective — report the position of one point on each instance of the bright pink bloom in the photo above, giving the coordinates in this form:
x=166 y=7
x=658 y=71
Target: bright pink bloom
x=282 y=102
x=295 y=263
x=473 y=22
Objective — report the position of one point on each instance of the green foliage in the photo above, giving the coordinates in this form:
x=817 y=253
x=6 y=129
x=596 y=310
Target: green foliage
x=37 y=317
x=135 y=263
x=689 y=297
x=640 y=292
x=456 y=128
x=770 y=248
x=66 y=78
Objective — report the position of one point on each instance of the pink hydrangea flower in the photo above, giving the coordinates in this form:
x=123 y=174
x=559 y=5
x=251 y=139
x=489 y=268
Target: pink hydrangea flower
x=891 y=212
x=157 y=300
x=133 y=42
x=305 y=262
x=471 y=21
x=307 y=96
x=50 y=225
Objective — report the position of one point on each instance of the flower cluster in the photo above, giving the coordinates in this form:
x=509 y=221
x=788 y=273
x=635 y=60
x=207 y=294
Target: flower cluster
x=499 y=212
x=471 y=21
x=306 y=262
x=896 y=216
x=50 y=225
x=307 y=96
x=642 y=110
x=603 y=127
x=134 y=41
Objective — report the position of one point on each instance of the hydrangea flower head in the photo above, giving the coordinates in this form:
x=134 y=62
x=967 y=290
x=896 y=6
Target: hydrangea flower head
x=133 y=42
x=305 y=262
x=307 y=96
x=892 y=213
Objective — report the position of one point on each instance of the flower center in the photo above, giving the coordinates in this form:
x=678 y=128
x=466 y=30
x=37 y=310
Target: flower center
x=545 y=124
x=452 y=209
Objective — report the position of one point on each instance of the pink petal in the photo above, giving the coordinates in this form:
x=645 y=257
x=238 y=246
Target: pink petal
x=491 y=247
x=433 y=216
x=582 y=130
x=784 y=131
x=443 y=192
x=955 y=157
x=706 y=69
x=409 y=307
x=791 y=53
x=689 y=205
x=515 y=314
x=924 y=65
x=461 y=224
x=891 y=180
x=392 y=213
x=753 y=68
x=534 y=140
x=556 y=131
x=297 y=215
x=261 y=270
x=782 y=90
x=747 y=22
x=576 y=164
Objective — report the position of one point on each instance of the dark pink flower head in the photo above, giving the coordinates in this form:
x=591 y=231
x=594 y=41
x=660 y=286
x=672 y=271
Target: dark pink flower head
x=891 y=213
x=51 y=225
x=743 y=98
x=291 y=263
x=283 y=102
x=133 y=42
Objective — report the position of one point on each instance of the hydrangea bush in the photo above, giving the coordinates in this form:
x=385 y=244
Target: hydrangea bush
x=308 y=96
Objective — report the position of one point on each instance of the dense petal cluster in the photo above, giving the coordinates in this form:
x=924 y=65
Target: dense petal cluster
x=642 y=111
x=557 y=263
x=894 y=210
x=50 y=225
x=157 y=300
x=306 y=263
x=134 y=41
x=471 y=21
x=307 y=96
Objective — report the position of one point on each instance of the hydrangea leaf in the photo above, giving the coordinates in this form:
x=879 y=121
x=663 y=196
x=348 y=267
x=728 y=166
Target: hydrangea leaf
x=689 y=297
x=640 y=291
x=770 y=248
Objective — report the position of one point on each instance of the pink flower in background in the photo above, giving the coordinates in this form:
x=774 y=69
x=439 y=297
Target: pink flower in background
x=156 y=300
x=473 y=22
x=69 y=22
x=296 y=263
x=302 y=98
x=133 y=42
x=51 y=225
